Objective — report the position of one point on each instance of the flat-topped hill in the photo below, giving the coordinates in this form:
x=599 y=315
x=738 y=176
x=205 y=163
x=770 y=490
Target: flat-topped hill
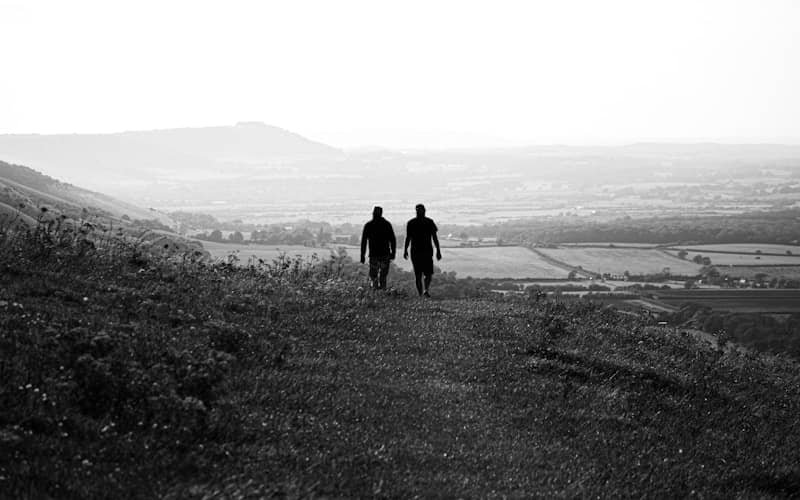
x=129 y=376
x=178 y=149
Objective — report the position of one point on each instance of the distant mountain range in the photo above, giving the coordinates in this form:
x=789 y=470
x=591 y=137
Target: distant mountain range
x=261 y=172
x=132 y=158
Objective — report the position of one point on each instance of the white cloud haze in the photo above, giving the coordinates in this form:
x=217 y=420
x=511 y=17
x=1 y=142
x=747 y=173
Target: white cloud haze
x=445 y=73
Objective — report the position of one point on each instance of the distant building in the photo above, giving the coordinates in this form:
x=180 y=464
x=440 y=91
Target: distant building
x=343 y=239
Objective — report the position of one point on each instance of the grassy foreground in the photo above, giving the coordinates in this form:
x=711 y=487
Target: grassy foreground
x=124 y=375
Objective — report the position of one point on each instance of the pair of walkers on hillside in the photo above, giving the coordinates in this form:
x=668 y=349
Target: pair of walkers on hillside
x=378 y=234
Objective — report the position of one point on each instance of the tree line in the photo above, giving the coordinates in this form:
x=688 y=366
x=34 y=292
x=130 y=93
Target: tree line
x=781 y=227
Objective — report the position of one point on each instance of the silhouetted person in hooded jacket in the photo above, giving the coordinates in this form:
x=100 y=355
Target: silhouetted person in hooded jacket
x=382 y=247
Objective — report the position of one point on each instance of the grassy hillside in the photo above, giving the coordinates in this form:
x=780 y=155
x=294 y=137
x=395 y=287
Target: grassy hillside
x=23 y=191
x=126 y=375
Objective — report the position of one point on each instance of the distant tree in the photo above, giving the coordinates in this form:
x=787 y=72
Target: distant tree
x=697 y=259
x=216 y=235
x=706 y=261
x=323 y=237
x=572 y=275
x=682 y=254
x=788 y=252
x=236 y=237
x=688 y=284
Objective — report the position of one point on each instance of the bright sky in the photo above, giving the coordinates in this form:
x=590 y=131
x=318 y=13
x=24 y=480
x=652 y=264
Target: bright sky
x=411 y=73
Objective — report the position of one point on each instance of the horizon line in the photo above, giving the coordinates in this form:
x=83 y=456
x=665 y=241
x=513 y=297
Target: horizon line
x=490 y=144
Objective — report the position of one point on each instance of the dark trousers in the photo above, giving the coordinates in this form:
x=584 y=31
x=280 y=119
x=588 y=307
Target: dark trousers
x=378 y=271
x=423 y=266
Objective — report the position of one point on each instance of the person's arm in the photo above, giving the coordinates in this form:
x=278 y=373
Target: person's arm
x=392 y=242
x=363 y=243
x=408 y=240
x=436 y=243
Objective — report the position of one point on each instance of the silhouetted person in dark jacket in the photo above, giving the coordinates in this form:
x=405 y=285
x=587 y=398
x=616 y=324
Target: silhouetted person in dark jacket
x=420 y=231
x=382 y=247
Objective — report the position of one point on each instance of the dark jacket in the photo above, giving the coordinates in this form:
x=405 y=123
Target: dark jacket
x=380 y=234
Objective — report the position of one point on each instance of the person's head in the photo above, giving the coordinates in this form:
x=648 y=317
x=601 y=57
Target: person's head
x=420 y=210
x=377 y=212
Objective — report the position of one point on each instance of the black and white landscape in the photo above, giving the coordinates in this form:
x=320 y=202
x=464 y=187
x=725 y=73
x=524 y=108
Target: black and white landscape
x=188 y=308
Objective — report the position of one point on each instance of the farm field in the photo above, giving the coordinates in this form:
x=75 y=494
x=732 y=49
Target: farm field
x=742 y=248
x=493 y=262
x=610 y=244
x=612 y=284
x=750 y=272
x=443 y=242
x=619 y=260
x=743 y=259
x=742 y=300
x=478 y=262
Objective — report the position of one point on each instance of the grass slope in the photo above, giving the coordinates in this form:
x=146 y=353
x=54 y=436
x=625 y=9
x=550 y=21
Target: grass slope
x=19 y=184
x=125 y=376
x=245 y=252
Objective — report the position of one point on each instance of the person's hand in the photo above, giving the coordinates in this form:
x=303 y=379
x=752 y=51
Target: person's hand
x=438 y=254
x=405 y=255
x=362 y=259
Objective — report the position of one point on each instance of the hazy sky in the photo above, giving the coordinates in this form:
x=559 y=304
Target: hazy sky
x=427 y=73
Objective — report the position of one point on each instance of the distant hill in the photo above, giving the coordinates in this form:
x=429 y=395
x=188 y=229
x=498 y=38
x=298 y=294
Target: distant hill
x=24 y=191
x=141 y=157
x=246 y=141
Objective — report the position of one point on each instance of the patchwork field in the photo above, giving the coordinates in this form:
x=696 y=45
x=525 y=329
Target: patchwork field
x=619 y=260
x=744 y=248
x=521 y=263
x=610 y=245
x=478 y=262
x=494 y=262
x=743 y=259
x=750 y=272
x=745 y=300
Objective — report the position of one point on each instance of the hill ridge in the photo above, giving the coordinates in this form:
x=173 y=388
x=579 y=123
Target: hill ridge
x=27 y=190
